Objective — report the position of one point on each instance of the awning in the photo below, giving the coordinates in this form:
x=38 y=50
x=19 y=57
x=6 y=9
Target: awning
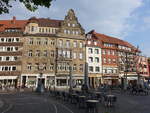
x=110 y=78
x=132 y=78
x=8 y=77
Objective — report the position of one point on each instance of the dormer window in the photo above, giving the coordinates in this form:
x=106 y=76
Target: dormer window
x=89 y=36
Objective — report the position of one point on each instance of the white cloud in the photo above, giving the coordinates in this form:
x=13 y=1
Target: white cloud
x=105 y=16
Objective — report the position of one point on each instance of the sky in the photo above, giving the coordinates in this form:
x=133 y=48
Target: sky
x=125 y=19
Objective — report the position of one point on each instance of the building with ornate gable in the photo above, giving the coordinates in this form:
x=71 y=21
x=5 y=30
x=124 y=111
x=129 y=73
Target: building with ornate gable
x=46 y=49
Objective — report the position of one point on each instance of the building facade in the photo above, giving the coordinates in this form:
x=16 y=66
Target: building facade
x=93 y=58
x=47 y=50
x=118 y=59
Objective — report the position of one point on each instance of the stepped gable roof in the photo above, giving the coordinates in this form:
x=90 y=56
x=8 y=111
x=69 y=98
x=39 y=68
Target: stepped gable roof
x=46 y=22
x=19 y=24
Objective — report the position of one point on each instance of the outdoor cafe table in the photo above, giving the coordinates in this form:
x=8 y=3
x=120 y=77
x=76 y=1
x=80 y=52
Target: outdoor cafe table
x=81 y=100
x=74 y=98
x=109 y=99
x=92 y=106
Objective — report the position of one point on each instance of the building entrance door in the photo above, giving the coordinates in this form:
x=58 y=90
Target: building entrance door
x=41 y=81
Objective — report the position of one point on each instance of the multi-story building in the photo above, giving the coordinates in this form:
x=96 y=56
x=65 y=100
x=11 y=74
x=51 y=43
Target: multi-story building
x=93 y=58
x=143 y=68
x=116 y=56
x=47 y=50
x=11 y=45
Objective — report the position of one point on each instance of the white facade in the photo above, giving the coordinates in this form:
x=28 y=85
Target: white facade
x=93 y=58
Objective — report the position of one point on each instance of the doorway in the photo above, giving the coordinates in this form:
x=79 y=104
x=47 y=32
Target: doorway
x=41 y=81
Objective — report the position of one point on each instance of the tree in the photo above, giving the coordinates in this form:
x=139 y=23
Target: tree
x=128 y=63
x=31 y=5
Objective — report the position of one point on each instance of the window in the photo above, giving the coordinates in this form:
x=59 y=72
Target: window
x=104 y=60
x=97 y=59
x=16 y=48
x=90 y=50
x=37 y=53
x=51 y=67
x=108 y=52
x=77 y=32
x=95 y=43
x=44 y=66
x=112 y=52
x=7 y=58
x=97 y=69
x=91 y=68
x=45 y=53
x=46 y=30
x=43 y=30
x=13 y=68
x=60 y=43
x=65 y=31
x=81 y=67
x=37 y=66
x=74 y=44
x=75 y=67
x=40 y=30
x=81 y=55
x=68 y=44
x=68 y=31
x=29 y=67
x=30 y=53
x=73 y=25
x=38 y=41
x=109 y=61
x=52 y=42
x=15 y=58
x=104 y=52
x=90 y=59
x=96 y=51
x=69 y=24
x=68 y=54
x=74 y=55
x=32 y=28
x=45 y=41
x=30 y=40
x=17 y=39
x=52 y=53
x=89 y=42
x=114 y=60
x=81 y=45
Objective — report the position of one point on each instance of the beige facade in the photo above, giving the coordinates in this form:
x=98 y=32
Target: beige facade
x=52 y=50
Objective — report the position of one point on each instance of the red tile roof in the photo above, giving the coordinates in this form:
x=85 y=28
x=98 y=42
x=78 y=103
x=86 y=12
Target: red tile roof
x=46 y=22
x=20 y=24
x=111 y=40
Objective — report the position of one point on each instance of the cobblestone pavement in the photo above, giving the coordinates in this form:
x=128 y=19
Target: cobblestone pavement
x=34 y=103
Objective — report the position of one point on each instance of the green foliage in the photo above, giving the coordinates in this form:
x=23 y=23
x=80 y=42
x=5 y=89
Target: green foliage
x=31 y=5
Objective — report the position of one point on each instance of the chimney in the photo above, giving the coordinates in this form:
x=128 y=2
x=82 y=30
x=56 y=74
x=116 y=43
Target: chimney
x=13 y=20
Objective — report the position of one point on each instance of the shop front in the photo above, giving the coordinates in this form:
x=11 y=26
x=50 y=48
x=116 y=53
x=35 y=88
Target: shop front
x=9 y=82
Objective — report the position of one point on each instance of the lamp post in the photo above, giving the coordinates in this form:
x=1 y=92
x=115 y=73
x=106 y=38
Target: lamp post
x=70 y=79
